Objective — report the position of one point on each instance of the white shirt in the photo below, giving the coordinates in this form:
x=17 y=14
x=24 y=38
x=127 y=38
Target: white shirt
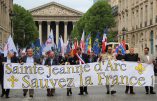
x=51 y=61
x=148 y=58
x=43 y=62
x=81 y=58
x=8 y=60
x=30 y=60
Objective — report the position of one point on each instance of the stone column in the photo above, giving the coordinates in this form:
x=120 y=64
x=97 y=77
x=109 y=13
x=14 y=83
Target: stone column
x=130 y=20
x=65 y=31
x=139 y=21
x=40 y=31
x=136 y=15
x=154 y=11
x=73 y=24
x=149 y=13
x=144 y=15
x=48 y=28
x=57 y=32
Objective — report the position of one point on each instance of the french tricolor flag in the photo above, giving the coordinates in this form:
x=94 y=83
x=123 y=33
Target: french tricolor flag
x=104 y=43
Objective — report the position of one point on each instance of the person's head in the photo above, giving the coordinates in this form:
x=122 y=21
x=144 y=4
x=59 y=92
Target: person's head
x=109 y=50
x=44 y=54
x=92 y=53
x=71 y=55
x=66 y=55
x=146 y=50
x=2 y=55
x=51 y=54
x=79 y=50
x=15 y=53
x=10 y=54
x=131 y=50
x=29 y=52
x=119 y=52
x=23 y=54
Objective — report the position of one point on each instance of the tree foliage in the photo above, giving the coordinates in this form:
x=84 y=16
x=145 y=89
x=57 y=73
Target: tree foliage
x=96 y=19
x=24 y=27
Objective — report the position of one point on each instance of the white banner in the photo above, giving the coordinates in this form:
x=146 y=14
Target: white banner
x=30 y=76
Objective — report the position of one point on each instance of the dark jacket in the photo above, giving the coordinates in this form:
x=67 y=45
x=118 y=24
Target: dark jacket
x=24 y=59
x=13 y=60
x=92 y=59
x=72 y=61
x=1 y=67
x=48 y=62
x=120 y=57
x=85 y=58
x=131 y=57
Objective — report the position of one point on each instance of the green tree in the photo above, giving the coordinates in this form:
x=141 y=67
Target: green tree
x=95 y=20
x=24 y=27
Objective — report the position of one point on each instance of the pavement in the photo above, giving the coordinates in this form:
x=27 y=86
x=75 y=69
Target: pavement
x=95 y=94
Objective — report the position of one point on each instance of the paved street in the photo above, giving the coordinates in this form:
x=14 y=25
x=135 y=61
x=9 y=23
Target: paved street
x=95 y=94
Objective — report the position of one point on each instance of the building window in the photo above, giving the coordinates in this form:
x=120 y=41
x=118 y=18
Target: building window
x=151 y=22
x=145 y=23
x=141 y=20
x=146 y=15
x=151 y=11
x=152 y=42
x=141 y=25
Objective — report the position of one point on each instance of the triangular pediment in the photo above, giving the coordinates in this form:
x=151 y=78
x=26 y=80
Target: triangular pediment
x=54 y=9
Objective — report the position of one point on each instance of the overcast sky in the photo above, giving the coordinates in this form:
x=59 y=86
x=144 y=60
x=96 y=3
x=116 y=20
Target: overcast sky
x=81 y=5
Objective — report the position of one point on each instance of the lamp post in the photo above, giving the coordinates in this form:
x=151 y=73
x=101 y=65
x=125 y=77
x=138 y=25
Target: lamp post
x=11 y=14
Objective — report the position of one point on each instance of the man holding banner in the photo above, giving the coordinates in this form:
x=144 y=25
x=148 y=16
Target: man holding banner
x=8 y=59
x=51 y=60
x=134 y=58
x=81 y=58
x=108 y=56
x=147 y=58
x=32 y=60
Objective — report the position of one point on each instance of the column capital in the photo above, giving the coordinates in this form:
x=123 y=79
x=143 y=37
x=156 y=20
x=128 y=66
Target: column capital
x=57 y=22
x=73 y=22
x=48 y=22
x=65 y=22
x=40 y=22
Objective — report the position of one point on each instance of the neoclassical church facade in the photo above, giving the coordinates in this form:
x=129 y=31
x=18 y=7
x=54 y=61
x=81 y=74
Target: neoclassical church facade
x=56 y=17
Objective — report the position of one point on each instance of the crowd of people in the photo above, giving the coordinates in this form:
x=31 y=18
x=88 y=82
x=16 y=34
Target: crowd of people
x=49 y=58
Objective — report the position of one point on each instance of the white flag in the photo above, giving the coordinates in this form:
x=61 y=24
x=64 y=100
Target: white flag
x=62 y=46
x=50 y=42
x=9 y=46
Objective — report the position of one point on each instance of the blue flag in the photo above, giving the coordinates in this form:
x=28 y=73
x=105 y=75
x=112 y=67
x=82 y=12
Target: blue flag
x=120 y=47
x=43 y=47
x=59 y=45
x=96 y=47
x=87 y=43
x=68 y=50
x=37 y=49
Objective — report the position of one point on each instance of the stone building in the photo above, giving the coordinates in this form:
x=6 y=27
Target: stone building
x=111 y=2
x=6 y=7
x=59 y=18
x=138 y=20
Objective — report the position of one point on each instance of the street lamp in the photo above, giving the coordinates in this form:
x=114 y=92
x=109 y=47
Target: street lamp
x=11 y=14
